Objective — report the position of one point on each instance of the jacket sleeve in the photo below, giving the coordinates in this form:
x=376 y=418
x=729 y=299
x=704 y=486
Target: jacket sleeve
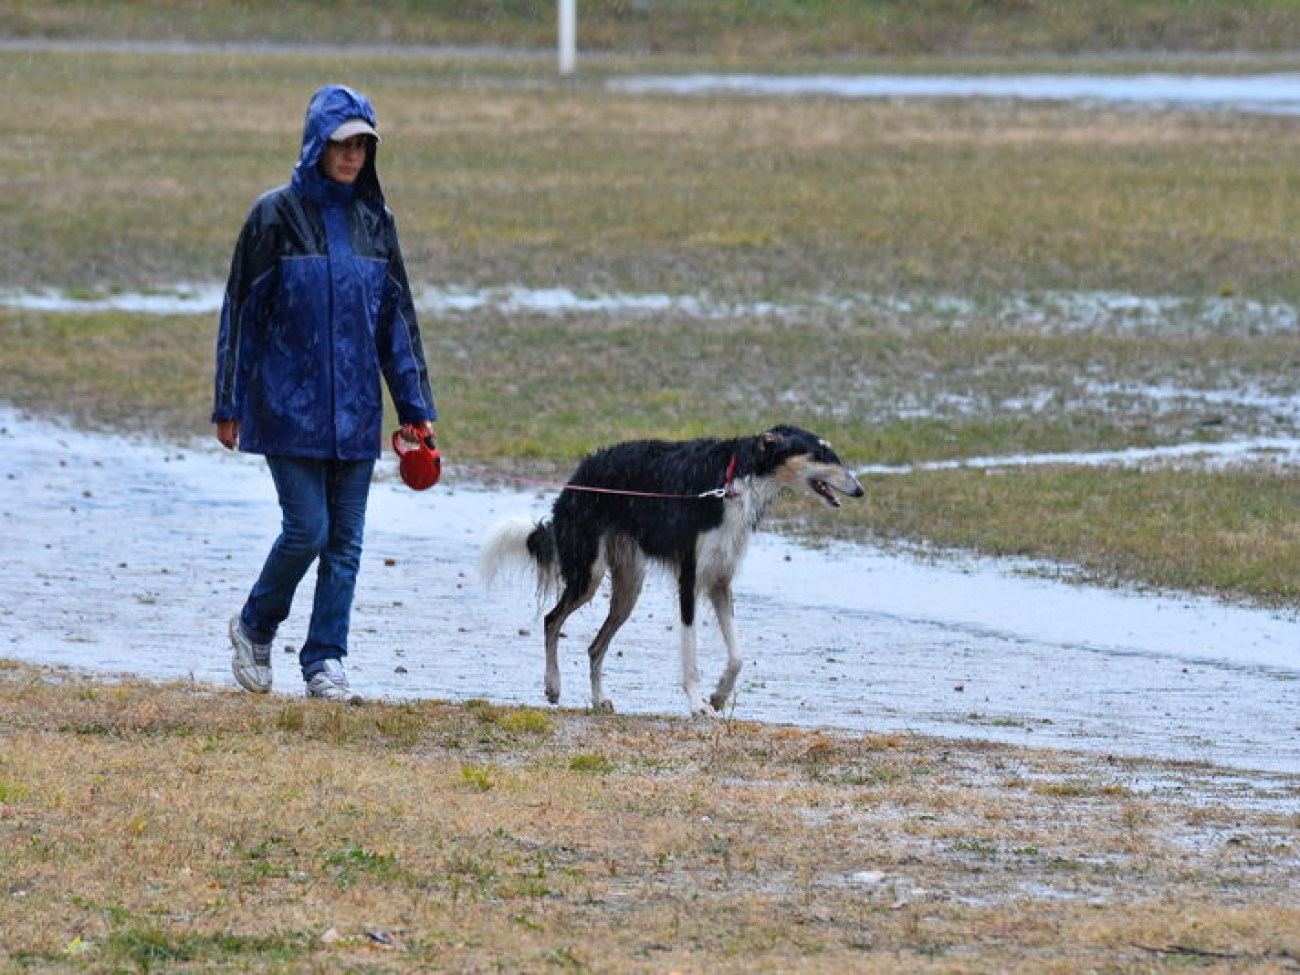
x=401 y=350
x=250 y=266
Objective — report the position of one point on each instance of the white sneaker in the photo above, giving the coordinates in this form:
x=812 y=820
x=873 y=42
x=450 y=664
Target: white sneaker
x=251 y=662
x=331 y=684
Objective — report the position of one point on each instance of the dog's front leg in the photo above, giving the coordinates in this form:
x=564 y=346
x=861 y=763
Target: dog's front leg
x=691 y=674
x=690 y=664
x=724 y=609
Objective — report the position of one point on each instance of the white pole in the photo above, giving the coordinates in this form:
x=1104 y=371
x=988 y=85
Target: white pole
x=568 y=33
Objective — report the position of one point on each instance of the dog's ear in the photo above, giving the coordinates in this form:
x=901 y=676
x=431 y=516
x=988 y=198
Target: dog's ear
x=763 y=452
x=771 y=442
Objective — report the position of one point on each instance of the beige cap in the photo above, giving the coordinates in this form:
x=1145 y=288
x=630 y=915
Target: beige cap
x=353 y=126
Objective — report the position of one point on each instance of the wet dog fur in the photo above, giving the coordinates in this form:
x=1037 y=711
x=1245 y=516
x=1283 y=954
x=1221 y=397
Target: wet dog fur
x=706 y=498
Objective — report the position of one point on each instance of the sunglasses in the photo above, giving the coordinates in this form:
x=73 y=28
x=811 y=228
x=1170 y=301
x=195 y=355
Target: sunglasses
x=348 y=145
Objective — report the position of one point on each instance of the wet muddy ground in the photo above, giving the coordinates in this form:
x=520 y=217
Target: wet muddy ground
x=129 y=556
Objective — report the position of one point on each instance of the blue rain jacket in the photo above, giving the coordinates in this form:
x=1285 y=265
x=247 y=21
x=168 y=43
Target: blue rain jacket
x=317 y=308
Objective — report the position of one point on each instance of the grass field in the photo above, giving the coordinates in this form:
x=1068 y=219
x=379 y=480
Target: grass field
x=896 y=234
x=937 y=266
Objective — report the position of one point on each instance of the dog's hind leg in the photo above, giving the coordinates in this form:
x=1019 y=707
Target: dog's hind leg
x=724 y=609
x=571 y=599
x=582 y=566
x=627 y=575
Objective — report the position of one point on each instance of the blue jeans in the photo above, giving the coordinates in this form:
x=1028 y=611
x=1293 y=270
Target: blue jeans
x=323 y=517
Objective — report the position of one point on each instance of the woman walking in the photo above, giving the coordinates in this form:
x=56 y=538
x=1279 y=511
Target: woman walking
x=317 y=310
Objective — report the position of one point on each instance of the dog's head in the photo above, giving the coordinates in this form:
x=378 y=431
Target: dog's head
x=804 y=461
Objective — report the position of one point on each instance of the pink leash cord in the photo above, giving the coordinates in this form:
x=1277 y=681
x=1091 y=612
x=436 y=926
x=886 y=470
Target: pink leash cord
x=722 y=492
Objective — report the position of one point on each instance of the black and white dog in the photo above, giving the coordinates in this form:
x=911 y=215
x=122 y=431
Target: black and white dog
x=690 y=506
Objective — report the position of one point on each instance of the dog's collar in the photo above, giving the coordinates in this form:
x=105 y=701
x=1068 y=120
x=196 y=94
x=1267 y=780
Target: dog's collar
x=728 y=486
x=728 y=490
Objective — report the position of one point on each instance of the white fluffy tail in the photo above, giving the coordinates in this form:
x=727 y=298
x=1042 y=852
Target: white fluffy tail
x=520 y=543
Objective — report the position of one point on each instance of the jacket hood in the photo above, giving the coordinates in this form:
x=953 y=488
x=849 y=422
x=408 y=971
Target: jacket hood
x=329 y=108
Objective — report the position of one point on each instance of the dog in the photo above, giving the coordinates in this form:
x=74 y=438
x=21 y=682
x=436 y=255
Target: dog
x=690 y=506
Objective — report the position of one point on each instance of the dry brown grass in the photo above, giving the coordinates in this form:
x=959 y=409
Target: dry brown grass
x=179 y=828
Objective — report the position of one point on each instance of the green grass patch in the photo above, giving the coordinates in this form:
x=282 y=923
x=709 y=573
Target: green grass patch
x=527 y=721
x=1231 y=532
x=134 y=372
x=476 y=777
x=154 y=949
x=591 y=764
x=499 y=179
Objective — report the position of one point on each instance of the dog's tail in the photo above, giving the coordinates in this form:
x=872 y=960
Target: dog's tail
x=521 y=543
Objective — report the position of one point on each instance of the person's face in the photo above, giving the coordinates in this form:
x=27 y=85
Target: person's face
x=342 y=161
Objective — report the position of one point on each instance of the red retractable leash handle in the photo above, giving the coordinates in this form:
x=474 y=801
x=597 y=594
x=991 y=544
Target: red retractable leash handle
x=419 y=463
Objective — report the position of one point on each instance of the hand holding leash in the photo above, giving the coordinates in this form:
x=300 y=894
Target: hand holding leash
x=420 y=465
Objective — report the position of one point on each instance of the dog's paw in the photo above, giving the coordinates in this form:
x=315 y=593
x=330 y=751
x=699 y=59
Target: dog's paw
x=702 y=710
x=718 y=701
x=603 y=706
x=553 y=695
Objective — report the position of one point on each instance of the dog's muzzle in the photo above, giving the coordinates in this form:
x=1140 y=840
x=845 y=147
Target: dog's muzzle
x=843 y=482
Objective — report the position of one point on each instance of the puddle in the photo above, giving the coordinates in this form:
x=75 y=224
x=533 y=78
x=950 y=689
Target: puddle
x=1274 y=451
x=1043 y=312
x=129 y=556
x=1277 y=94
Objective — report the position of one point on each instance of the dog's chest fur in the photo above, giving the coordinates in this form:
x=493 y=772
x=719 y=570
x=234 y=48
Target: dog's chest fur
x=720 y=550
